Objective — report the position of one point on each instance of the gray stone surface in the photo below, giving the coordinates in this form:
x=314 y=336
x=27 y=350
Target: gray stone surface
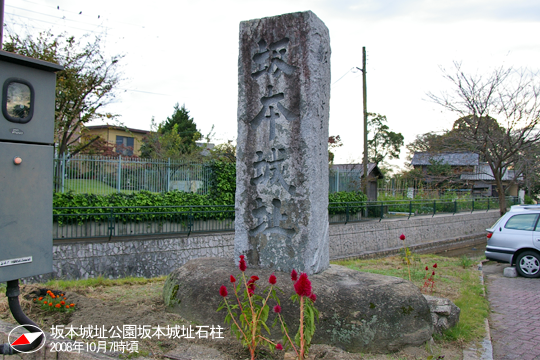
x=444 y=313
x=358 y=311
x=510 y=272
x=282 y=157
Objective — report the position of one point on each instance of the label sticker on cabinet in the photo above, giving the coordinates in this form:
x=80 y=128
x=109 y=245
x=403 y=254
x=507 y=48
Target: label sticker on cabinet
x=23 y=260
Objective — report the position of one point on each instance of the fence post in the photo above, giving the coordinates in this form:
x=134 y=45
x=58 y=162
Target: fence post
x=111 y=223
x=63 y=169
x=455 y=207
x=119 y=173
x=346 y=213
x=472 y=206
x=382 y=211
x=337 y=180
x=169 y=175
x=410 y=209
x=434 y=207
x=488 y=205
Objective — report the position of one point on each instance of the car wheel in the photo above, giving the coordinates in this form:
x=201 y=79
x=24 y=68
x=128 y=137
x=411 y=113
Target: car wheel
x=528 y=264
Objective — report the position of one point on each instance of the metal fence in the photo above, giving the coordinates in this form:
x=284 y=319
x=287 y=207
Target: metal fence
x=344 y=181
x=94 y=222
x=105 y=175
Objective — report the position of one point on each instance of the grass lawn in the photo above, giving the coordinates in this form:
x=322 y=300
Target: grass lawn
x=455 y=278
x=90 y=186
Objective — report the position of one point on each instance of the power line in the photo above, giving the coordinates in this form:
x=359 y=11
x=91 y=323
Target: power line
x=79 y=13
x=52 y=23
x=145 y=92
x=343 y=75
x=53 y=16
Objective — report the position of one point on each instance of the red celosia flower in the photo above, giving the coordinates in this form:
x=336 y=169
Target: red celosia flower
x=303 y=285
x=272 y=280
x=402 y=237
x=254 y=278
x=223 y=291
x=233 y=280
x=277 y=309
x=250 y=292
x=435 y=265
x=294 y=275
x=313 y=297
x=427 y=268
x=242 y=264
x=279 y=347
x=433 y=273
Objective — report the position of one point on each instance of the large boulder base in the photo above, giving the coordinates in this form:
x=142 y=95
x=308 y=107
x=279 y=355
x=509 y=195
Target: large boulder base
x=359 y=312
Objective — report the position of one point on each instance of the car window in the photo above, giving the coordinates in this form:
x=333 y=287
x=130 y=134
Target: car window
x=522 y=222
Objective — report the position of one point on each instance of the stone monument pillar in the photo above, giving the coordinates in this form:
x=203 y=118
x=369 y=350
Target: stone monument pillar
x=282 y=145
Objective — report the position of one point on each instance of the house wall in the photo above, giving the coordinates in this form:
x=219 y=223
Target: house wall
x=110 y=134
x=154 y=257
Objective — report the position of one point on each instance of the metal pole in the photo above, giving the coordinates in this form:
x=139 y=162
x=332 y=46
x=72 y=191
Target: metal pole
x=63 y=170
x=1 y=23
x=169 y=175
x=119 y=173
x=337 y=180
x=365 y=120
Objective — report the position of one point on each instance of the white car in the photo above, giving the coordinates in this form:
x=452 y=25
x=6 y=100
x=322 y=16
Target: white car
x=515 y=239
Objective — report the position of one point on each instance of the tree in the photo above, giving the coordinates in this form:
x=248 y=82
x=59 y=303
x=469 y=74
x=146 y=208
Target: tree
x=383 y=143
x=83 y=88
x=334 y=142
x=434 y=143
x=174 y=138
x=225 y=152
x=498 y=112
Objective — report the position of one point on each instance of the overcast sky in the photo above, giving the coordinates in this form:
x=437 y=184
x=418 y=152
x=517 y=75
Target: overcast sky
x=187 y=52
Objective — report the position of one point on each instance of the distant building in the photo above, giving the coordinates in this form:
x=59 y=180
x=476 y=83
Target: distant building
x=347 y=177
x=459 y=161
x=468 y=171
x=126 y=141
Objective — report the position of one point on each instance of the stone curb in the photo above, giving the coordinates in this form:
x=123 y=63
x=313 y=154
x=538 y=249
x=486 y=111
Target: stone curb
x=486 y=353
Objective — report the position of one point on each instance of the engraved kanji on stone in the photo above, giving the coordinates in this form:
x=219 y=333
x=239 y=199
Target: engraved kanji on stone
x=272 y=59
x=270 y=171
x=270 y=222
x=271 y=111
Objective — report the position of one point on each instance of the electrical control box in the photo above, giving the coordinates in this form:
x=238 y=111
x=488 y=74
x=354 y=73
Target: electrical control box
x=26 y=165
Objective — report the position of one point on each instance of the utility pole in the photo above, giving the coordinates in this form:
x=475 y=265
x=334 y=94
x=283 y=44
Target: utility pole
x=364 y=182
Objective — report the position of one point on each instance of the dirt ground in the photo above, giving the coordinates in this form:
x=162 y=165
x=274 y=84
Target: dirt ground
x=143 y=305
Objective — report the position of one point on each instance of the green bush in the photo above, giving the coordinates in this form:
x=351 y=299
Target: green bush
x=346 y=200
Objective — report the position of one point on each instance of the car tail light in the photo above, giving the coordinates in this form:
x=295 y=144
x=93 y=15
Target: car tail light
x=489 y=234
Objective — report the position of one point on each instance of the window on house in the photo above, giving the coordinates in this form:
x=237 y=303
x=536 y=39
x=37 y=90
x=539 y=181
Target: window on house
x=124 y=145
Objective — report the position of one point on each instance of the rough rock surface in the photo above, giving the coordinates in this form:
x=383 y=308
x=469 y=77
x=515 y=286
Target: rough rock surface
x=282 y=143
x=444 y=313
x=358 y=311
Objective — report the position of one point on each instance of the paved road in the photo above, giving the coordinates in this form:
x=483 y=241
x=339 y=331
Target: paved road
x=515 y=316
